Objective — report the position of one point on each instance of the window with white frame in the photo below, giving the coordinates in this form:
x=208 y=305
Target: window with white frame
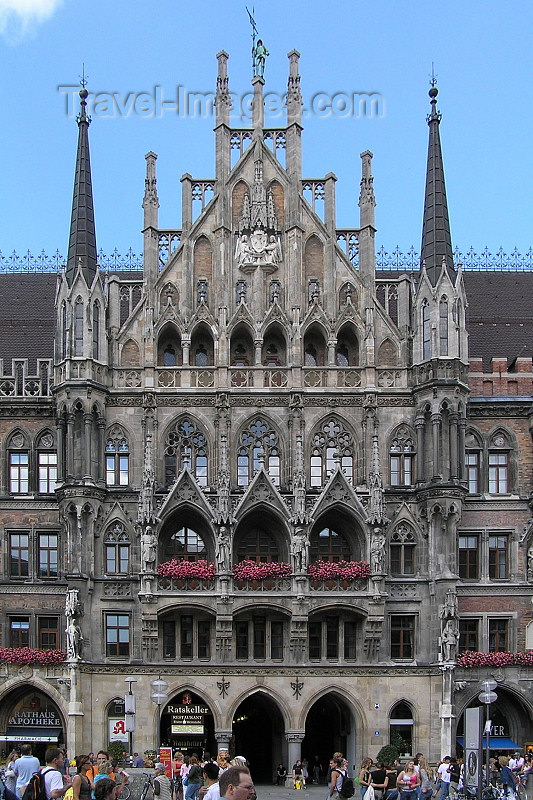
x=330 y=445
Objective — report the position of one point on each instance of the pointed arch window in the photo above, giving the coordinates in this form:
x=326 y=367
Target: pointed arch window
x=443 y=326
x=402 y=551
x=331 y=444
x=19 y=465
x=96 y=330
x=329 y=544
x=117 y=460
x=401 y=727
x=201 y=358
x=342 y=356
x=186 y=445
x=257 y=442
x=78 y=327
x=426 y=331
x=187 y=544
x=169 y=356
x=401 y=459
x=117 y=550
x=64 y=330
x=47 y=463
x=499 y=465
x=258 y=545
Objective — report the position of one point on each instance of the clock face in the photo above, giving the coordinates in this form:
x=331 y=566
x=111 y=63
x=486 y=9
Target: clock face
x=472 y=763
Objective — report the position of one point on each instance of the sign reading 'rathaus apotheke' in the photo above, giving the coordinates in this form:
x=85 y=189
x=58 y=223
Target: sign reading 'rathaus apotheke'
x=35 y=718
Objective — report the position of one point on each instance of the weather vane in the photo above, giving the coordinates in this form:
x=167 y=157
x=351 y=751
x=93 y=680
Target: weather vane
x=433 y=77
x=83 y=77
x=259 y=51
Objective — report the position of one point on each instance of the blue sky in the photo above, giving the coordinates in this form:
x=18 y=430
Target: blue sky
x=482 y=56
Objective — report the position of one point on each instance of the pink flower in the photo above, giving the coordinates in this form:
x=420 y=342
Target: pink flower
x=471 y=659
x=30 y=656
x=251 y=571
x=332 y=570
x=202 y=570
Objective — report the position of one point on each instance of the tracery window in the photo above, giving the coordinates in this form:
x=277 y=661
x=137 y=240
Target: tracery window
x=186 y=445
x=426 y=331
x=186 y=544
x=402 y=551
x=117 y=459
x=499 y=464
x=329 y=545
x=19 y=465
x=401 y=458
x=47 y=464
x=117 y=550
x=78 y=327
x=258 y=441
x=331 y=443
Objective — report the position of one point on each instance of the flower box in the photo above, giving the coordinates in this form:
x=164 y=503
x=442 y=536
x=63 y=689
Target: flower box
x=471 y=659
x=186 y=570
x=31 y=657
x=251 y=571
x=344 y=572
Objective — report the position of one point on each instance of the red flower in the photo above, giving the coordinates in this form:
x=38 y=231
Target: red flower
x=333 y=570
x=251 y=571
x=471 y=659
x=30 y=656
x=203 y=570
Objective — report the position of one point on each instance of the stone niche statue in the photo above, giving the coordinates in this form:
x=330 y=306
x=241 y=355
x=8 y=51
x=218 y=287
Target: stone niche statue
x=74 y=640
x=223 y=549
x=449 y=640
x=148 y=549
x=377 y=551
x=300 y=550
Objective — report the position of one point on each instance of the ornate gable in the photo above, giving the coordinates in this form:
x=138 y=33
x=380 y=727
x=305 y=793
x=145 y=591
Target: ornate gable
x=185 y=490
x=336 y=491
x=261 y=491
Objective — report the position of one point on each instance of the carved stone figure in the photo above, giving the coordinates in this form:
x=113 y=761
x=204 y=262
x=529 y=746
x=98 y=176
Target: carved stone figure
x=377 y=551
x=449 y=607
x=222 y=549
x=258 y=250
x=260 y=54
x=530 y=563
x=74 y=640
x=300 y=550
x=72 y=602
x=449 y=641
x=149 y=549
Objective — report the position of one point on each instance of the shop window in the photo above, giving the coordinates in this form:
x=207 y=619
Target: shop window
x=402 y=634
x=117 y=634
x=401 y=728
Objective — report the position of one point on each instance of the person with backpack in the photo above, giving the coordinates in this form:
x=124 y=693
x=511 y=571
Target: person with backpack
x=55 y=783
x=342 y=785
x=24 y=767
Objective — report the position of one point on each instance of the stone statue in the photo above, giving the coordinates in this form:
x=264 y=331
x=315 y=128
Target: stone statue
x=260 y=54
x=258 y=250
x=377 y=551
x=222 y=549
x=74 y=640
x=148 y=549
x=530 y=563
x=299 y=550
x=449 y=641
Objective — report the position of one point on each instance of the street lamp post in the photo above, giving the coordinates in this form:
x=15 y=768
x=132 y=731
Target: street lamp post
x=129 y=712
x=488 y=696
x=159 y=696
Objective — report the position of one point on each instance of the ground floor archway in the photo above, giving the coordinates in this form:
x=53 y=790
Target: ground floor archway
x=29 y=715
x=511 y=720
x=329 y=727
x=259 y=735
x=187 y=725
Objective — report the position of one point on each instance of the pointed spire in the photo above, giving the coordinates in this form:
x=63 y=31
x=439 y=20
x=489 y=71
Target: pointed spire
x=82 y=241
x=436 y=237
x=146 y=514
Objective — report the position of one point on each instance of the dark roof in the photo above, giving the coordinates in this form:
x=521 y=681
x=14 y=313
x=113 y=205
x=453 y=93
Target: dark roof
x=27 y=316
x=499 y=317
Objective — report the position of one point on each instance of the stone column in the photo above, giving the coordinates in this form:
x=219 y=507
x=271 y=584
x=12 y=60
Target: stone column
x=61 y=470
x=223 y=739
x=88 y=425
x=70 y=445
x=294 y=740
x=100 y=476
x=447 y=716
x=454 y=467
x=436 y=426
x=421 y=465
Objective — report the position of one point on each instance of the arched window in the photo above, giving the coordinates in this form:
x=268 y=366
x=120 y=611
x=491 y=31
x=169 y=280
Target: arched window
x=78 y=327
x=473 y=451
x=19 y=464
x=117 y=459
x=329 y=545
x=186 y=445
x=201 y=358
x=402 y=551
x=426 y=331
x=186 y=544
x=401 y=458
x=258 y=441
x=401 y=728
x=169 y=356
x=64 y=330
x=117 y=550
x=443 y=326
x=499 y=448
x=96 y=330
x=331 y=443
x=258 y=545
x=47 y=463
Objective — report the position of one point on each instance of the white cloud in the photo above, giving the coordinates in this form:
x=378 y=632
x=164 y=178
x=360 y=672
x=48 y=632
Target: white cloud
x=20 y=18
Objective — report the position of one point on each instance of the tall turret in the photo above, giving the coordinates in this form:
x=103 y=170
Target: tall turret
x=436 y=239
x=82 y=241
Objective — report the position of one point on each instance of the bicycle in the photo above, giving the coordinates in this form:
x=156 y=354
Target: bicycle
x=147 y=786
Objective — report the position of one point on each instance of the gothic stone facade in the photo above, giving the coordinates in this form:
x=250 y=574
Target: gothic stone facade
x=260 y=392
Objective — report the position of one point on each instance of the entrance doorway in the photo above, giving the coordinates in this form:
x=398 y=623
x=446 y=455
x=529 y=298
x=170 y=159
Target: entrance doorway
x=187 y=725
x=327 y=730
x=259 y=735
x=30 y=716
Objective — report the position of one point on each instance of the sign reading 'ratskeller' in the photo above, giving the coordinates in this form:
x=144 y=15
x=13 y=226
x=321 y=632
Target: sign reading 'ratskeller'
x=187 y=718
